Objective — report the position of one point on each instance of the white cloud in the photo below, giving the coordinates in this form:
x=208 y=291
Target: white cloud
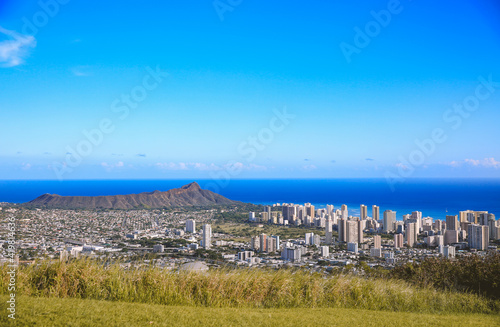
x=25 y=166
x=110 y=167
x=309 y=167
x=490 y=163
x=472 y=162
x=14 y=48
x=485 y=163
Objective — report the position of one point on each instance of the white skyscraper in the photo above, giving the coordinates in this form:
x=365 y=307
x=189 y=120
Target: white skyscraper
x=375 y=212
x=478 y=237
x=344 y=212
x=363 y=212
x=328 y=231
x=411 y=234
x=352 y=231
x=207 y=236
x=191 y=226
x=389 y=220
x=309 y=238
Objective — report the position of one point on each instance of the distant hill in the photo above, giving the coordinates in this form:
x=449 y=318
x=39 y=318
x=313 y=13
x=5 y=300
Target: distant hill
x=188 y=195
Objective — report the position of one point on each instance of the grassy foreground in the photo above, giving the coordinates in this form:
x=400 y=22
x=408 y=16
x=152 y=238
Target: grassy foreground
x=245 y=288
x=84 y=312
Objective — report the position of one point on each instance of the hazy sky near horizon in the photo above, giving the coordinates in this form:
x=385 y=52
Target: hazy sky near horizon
x=249 y=89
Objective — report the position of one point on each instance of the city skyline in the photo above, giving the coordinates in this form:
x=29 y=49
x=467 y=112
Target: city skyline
x=187 y=90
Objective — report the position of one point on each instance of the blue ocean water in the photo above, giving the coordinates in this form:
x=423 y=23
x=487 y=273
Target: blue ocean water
x=434 y=197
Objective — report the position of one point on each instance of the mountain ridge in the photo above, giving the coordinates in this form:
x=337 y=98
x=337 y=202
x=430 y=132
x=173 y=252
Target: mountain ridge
x=188 y=195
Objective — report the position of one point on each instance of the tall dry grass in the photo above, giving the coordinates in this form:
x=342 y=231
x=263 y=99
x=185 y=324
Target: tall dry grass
x=236 y=288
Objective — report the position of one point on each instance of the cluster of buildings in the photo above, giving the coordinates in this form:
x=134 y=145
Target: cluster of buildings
x=333 y=236
x=469 y=230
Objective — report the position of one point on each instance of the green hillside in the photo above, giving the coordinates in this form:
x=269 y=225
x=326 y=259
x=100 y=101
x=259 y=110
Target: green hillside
x=79 y=312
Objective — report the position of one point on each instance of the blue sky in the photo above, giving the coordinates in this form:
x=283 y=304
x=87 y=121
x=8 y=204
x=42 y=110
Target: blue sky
x=232 y=66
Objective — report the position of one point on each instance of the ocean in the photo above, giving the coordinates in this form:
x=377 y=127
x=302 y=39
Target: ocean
x=434 y=197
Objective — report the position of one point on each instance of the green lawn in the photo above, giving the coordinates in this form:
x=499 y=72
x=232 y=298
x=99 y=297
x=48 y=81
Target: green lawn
x=245 y=231
x=76 y=312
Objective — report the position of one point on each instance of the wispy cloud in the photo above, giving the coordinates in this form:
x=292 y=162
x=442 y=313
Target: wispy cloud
x=402 y=166
x=369 y=159
x=207 y=167
x=14 y=48
x=81 y=71
x=141 y=155
x=485 y=163
x=309 y=167
x=110 y=167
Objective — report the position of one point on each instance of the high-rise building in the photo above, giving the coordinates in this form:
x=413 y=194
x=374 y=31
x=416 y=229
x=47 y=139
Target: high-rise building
x=398 y=241
x=485 y=218
x=375 y=212
x=411 y=234
x=255 y=243
x=351 y=231
x=191 y=226
x=268 y=210
x=329 y=210
x=377 y=242
x=289 y=213
x=344 y=212
x=478 y=216
x=360 y=228
x=352 y=247
x=310 y=211
x=324 y=250
x=363 y=212
x=207 y=236
x=451 y=236
x=478 y=237
x=291 y=254
x=251 y=216
x=467 y=216
x=439 y=225
x=244 y=255
x=417 y=215
x=264 y=217
x=452 y=223
x=271 y=245
x=448 y=251
x=328 y=231
x=263 y=242
x=389 y=220
x=342 y=229
x=277 y=238
x=316 y=240
x=309 y=238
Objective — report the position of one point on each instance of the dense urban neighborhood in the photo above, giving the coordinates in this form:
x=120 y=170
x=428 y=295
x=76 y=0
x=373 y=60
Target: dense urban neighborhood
x=281 y=235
